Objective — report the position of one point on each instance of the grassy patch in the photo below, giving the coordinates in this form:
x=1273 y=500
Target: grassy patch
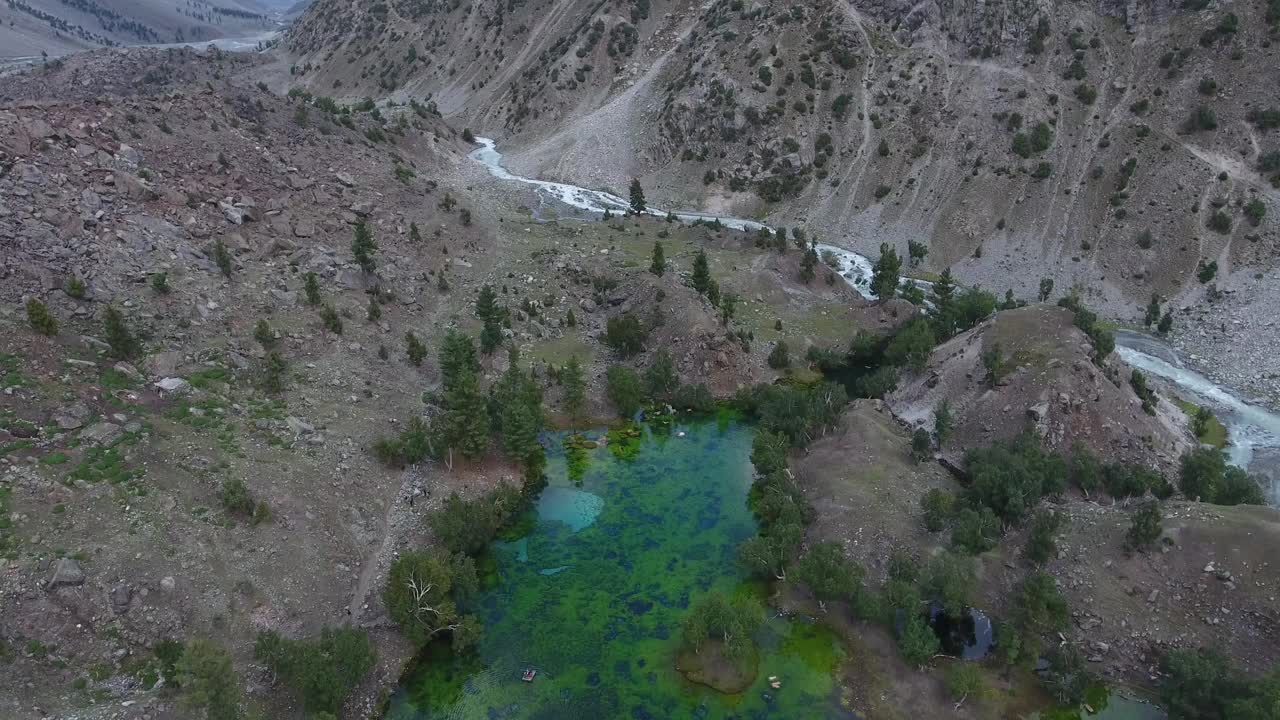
x=55 y=458
x=1215 y=433
x=113 y=380
x=202 y=379
x=8 y=543
x=15 y=446
x=558 y=351
x=107 y=464
x=9 y=375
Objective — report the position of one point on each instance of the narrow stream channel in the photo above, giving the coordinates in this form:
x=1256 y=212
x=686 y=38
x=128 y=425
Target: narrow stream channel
x=1254 y=432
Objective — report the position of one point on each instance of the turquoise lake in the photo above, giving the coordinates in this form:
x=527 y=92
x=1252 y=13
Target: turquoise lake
x=592 y=596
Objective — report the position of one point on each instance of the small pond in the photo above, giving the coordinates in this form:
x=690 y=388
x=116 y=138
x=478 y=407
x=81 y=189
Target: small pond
x=592 y=596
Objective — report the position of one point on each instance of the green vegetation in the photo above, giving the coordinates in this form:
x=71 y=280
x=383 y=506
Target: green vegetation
x=311 y=288
x=331 y=320
x=1206 y=476
x=363 y=247
x=732 y=623
x=209 y=681
x=624 y=389
x=1145 y=526
x=121 y=342
x=222 y=258
x=626 y=334
x=1204 y=424
x=322 y=670
x=659 y=263
x=74 y=288
x=637 y=197
x=421 y=596
x=40 y=319
x=1202 y=684
x=886 y=273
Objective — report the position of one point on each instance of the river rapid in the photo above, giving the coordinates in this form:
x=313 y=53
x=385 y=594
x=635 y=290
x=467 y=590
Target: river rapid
x=1254 y=432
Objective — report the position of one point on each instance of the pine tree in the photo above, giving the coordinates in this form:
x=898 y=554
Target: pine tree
x=1166 y=323
x=466 y=418
x=414 y=233
x=457 y=356
x=516 y=406
x=414 y=347
x=637 y=197
x=886 y=273
x=363 y=247
x=375 y=309
x=570 y=319
x=312 y=289
x=575 y=389
x=808 y=265
x=660 y=378
x=221 y=257
x=701 y=273
x=942 y=422
x=277 y=370
x=1153 y=311
x=123 y=345
x=659 y=264
x=41 y=320
x=263 y=334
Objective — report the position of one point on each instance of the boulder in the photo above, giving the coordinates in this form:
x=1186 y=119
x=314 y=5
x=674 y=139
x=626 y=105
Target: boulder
x=163 y=364
x=72 y=416
x=173 y=386
x=66 y=573
x=102 y=433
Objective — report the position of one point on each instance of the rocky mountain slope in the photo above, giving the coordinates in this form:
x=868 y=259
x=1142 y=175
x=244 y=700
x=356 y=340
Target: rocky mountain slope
x=1047 y=384
x=171 y=187
x=56 y=27
x=1119 y=147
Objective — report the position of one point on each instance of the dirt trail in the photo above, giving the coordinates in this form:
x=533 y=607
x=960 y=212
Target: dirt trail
x=399 y=521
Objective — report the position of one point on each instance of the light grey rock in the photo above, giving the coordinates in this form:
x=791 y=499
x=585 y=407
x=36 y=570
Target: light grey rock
x=66 y=573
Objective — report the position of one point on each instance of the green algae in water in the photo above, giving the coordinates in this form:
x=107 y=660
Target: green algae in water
x=603 y=629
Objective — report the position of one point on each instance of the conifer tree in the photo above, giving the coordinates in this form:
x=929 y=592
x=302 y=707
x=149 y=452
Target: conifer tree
x=363 y=247
x=466 y=418
x=659 y=263
x=457 y=356
x=808 y=266
x=660 y=378
x=701 y=273
x=637 y=197
x=575 y=389
x=123 y=344
x=886 y=273
x=312 y=289
x=221 y=257
x=40 y=319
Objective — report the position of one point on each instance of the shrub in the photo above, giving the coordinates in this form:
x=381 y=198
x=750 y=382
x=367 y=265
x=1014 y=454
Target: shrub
x=414 y=347
x=1041 y=545
x=222 y=258
x=779 y=357
x=276 y=376
x=1255 y=210
x=421 y=596
x=235 y=496
x=624 y=389
x=963 y=681
x=1202 y=118
x=322 y=670
x=311 y=288
x=331 y=320
x=1010 y=478
x=1219 y=222
x=40 y=319
x=830 y=575
x=921 y=445
x=121 y=341
x=209 y=680
x=1204 y=684
x=1145 y=526
x=263 y=334
x=625 y=334
x=1207 y=271
x=917 y=641
x=1206 y=476
x=160 y=283
x=974 y=531
x=74 y=288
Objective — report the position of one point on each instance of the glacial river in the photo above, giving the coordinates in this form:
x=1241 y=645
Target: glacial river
x=1253 y=431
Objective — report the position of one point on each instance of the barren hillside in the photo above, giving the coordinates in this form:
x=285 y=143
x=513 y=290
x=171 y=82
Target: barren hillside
x=1113 y=146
